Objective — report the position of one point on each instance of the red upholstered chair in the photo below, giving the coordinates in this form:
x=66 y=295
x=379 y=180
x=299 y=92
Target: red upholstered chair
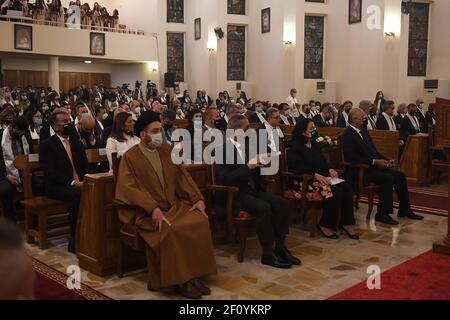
x=234 y=226
x=128 y=238
x=312 y=209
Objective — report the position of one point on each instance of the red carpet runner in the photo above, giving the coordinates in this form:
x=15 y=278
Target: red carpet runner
x=50 y=284
x=425 y=201
x=426 y=277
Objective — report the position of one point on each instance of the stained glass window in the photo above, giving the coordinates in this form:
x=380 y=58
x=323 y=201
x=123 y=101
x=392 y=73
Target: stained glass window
x=236 y=53
x=418 y=39
x=175 y=11
x=175 y=55
x=314 y=32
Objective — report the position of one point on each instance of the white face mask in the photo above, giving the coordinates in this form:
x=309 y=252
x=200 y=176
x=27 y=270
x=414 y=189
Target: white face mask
x=157 y=140
x=104 y=116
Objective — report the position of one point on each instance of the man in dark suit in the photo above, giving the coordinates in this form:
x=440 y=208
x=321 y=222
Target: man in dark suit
x=386 y=120
x=259 y=116
x=421 y=116
x=15 y=140
x=358 y=148
x=271 y=211
x=271 y=129
x=411 y=124
x=63 y=160
x=230 y=112
x=285 y=113
x=321 y=120
x=342 y=120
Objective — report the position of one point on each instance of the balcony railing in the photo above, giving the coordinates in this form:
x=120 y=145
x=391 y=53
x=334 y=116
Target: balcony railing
x=120 y=29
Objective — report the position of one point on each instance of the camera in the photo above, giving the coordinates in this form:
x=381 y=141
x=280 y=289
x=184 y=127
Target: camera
x=138 y=84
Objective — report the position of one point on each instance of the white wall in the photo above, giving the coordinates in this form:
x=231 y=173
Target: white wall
x=360 y=60
x=42 y=65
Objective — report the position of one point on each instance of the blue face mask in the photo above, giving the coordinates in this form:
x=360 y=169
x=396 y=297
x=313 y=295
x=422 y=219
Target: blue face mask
x=198 y=122
x=38 y=122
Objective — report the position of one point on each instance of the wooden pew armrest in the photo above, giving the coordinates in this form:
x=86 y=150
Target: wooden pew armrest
x=229 y=204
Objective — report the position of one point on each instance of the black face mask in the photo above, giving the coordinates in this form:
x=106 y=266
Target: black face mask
x=217 y=122
x=7 y=122
x=87 y=134
x=68 y=129
x=412 y=114
x=365 y=122
x=168 y=126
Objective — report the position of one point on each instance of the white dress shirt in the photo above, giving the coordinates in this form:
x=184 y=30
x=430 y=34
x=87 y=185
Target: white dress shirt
x=390 y=121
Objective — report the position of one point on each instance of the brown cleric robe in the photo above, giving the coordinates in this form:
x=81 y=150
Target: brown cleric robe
x=182 y=251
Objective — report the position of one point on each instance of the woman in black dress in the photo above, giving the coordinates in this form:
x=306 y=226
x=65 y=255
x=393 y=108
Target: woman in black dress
x=305 y=157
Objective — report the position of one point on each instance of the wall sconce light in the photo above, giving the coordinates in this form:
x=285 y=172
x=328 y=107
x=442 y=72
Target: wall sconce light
x=211 y=45
x=153 y=66
x=390 y=34
x=289 y=34
x=392 y=19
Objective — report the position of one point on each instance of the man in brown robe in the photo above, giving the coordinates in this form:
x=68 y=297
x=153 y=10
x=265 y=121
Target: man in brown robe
x=172 y=221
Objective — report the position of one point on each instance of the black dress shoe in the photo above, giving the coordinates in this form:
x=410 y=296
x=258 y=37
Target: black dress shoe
x=276 y=262
x=334 y=236
x=286 y=255
x=410 y=215
x=386 y=219
x=351 y=236
x=71 y=247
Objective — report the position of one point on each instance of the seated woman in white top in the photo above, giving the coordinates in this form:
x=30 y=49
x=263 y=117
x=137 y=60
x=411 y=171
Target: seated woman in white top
x=35 y=120
x=122 y=137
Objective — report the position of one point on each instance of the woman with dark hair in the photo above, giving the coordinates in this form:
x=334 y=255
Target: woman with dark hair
x=195 y=126
x=201 y=101
x=35 y=119
x=122 y=136
x=379 y=101
x=305 y=157
x=195 y=120
x=226 y=95
x=186 y=100
x=243 y=98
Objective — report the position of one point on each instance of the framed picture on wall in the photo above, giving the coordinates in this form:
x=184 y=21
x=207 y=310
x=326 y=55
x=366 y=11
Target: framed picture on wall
x=265 y=20
x=97 y=41
x=23 y=37
x=198 y=28
x=355 y=11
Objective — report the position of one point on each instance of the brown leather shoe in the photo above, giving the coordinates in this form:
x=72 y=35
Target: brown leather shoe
x=201 y=287
x=188 y=290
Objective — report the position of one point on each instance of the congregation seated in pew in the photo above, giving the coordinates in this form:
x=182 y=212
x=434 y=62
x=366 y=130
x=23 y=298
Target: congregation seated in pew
x=169 y=187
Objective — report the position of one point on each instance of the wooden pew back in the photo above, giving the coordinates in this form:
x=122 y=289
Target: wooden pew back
x=387 y=143
x=181 y=123
x=29 y=164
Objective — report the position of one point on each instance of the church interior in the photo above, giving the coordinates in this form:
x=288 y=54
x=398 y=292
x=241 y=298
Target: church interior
x=224 y=150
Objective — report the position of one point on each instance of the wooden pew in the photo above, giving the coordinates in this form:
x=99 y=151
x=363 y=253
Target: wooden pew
x=415 y=159
x=43 y=207
x=181 y=123
x=387 y=143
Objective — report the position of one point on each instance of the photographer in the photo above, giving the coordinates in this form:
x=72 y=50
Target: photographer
x=137 y=91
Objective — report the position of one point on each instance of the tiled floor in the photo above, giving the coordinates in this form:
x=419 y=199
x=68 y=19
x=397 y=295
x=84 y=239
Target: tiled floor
x=328 y=266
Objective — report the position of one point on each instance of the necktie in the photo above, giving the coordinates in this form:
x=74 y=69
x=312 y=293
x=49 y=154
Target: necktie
x=393 y=125
x=69 y=153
